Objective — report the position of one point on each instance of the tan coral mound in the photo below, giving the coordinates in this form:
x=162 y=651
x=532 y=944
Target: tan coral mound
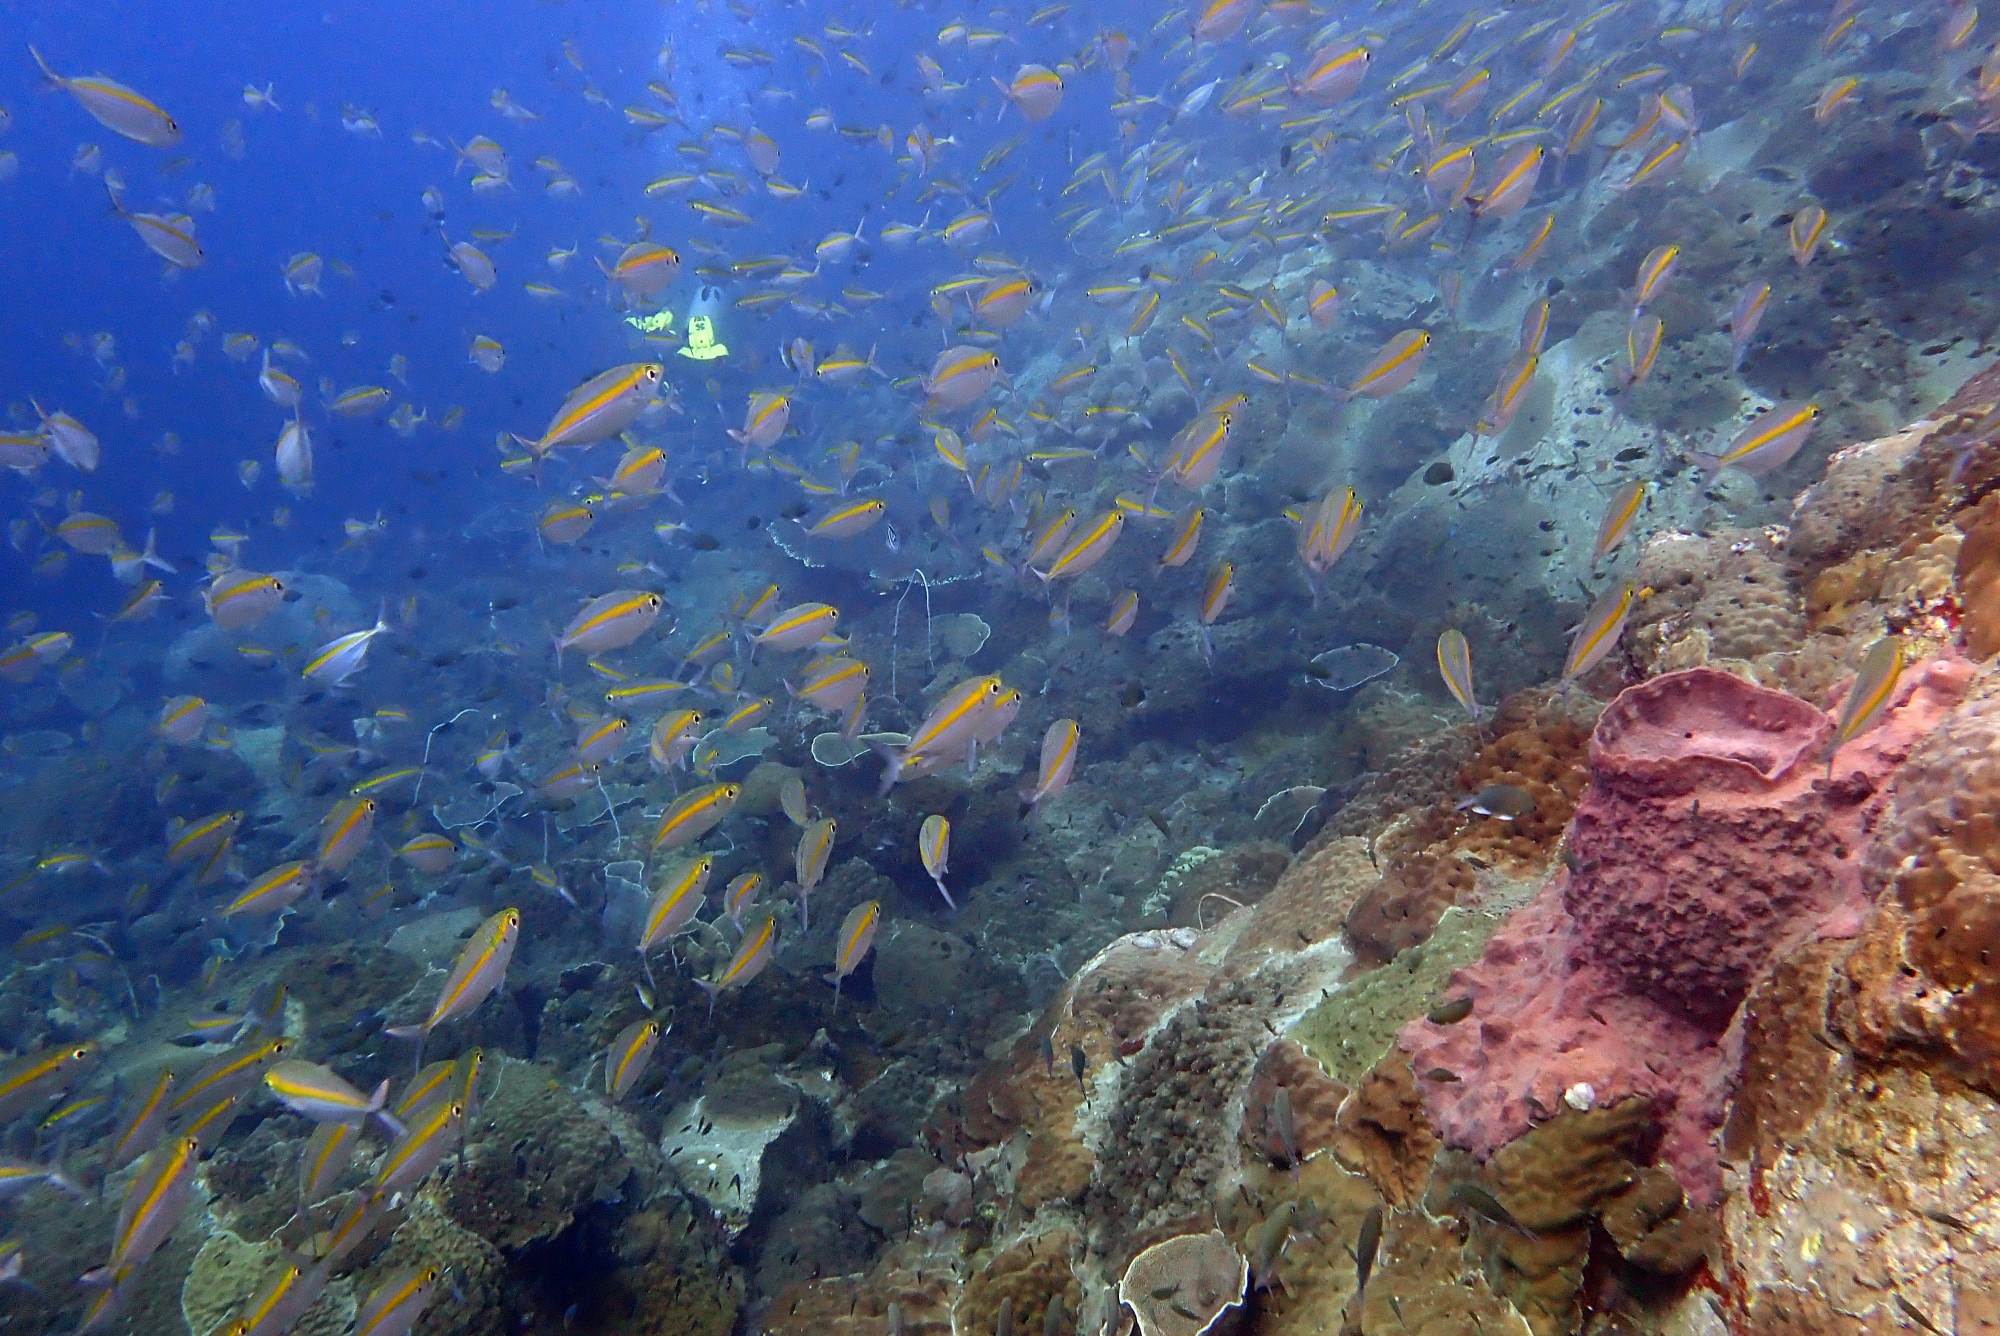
x=1924 y=982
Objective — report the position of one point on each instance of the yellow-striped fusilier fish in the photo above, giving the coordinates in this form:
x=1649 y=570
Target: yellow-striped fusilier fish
x=1455 y=667
x=611 y=621
x=752 y=955
x=694 y=814
x=1057 y=762
x=1598 y=633
x=1618 y=518
x=851 y=944
x=340 y=658
x=934 y=848
x=600 y=408
x=1874 y=687
x=1767 y=443
x=152 y=1208
x=310 y=1089
x=116 y=107
x=481 y=968
x=42 y=1077
x=625 y=1061
x=394 y=1306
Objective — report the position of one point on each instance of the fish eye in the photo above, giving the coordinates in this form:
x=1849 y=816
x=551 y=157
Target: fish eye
x=80 y=1053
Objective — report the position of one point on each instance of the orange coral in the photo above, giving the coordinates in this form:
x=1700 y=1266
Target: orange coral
x=1546 y=756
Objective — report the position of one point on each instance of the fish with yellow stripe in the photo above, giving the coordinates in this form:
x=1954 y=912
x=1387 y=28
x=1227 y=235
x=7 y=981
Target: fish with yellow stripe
x=480 y=970
x=852 y=944
x=600 y=408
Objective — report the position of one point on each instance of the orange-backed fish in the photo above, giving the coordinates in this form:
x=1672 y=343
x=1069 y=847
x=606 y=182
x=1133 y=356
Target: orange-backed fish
x=600 y=408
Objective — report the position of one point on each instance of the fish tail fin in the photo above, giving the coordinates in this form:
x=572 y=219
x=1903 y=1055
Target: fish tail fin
x=151 y=556
x=1707 y=463
x=892 y=768
x=712 y=990
x=47 y=73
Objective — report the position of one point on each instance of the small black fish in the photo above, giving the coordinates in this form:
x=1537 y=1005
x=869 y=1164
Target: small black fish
x=1440 y=1075
x=1185 y=1311
x=795 y=509
x=1910 y=1311
x=1365 y=1246
x=1483 y=1203
x=1505 y=801
x=1450 y=1013
x=1164 y=1291
x=704 y=542
x=1134 y=694
x=1077 y=1062
x=1049 y=1054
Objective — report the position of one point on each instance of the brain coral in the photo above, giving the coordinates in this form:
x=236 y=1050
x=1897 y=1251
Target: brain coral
x=1726 y=589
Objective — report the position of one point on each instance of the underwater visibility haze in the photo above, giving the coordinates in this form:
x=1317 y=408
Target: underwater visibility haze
x=1260 y=668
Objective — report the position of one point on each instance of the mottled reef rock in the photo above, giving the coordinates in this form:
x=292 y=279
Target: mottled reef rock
x=1706 y=1042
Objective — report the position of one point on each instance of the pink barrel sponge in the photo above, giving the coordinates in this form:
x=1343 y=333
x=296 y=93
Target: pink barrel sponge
x=1709 y=842
x=1703 y=845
